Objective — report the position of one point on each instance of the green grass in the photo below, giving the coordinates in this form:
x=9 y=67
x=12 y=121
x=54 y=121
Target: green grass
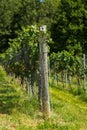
x=18 y=112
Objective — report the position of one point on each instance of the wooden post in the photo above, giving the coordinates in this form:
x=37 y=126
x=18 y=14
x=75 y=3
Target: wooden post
x=66 y=79
x=44 y=73
x=84 y=63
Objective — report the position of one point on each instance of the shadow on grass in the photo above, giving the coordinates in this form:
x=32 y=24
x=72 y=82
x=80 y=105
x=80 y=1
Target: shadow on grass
x=8 y=98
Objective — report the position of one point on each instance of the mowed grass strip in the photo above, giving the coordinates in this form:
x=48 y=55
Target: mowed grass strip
x=72 y=111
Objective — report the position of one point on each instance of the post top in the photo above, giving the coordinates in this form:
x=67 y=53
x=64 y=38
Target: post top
x=43 y=28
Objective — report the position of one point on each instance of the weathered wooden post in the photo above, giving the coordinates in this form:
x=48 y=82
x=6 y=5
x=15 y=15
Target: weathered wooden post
x=84 y=63
x=66 y=79
x=44 y=73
